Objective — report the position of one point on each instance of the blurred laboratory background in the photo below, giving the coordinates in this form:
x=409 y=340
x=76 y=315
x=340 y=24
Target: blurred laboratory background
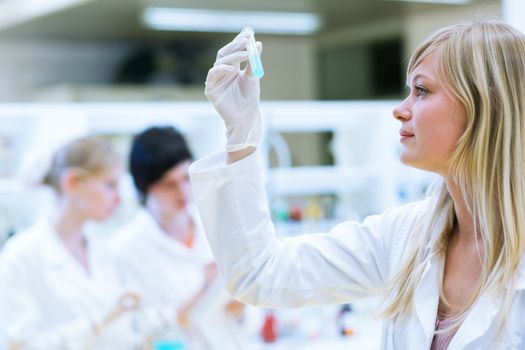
x=334 y=70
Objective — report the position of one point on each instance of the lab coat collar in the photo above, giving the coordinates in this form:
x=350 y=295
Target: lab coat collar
x=83 y=292
x=154 y=232
x=55 y=255
x=478 y=320
x=426 y=298
x=483 y=314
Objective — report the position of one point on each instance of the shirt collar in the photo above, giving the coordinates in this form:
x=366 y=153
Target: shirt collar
x=159 y=236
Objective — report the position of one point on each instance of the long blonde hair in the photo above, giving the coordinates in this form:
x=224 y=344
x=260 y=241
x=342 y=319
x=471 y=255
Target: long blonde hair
x=483 y=65
x=88 y=155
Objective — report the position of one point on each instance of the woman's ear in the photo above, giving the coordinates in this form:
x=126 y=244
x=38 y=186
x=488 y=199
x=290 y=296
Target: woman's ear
x=69 y=181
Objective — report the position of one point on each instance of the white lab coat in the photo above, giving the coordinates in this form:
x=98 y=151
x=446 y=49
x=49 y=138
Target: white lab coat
x=167 y=272
x=352 y=261
x=49 y=302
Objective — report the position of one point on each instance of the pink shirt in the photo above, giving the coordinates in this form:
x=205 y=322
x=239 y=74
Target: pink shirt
x=441 y=340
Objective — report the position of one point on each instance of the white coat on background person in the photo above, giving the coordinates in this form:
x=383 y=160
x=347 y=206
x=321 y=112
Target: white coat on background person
x=426 y=258
x=167 y=272
x=59 y=287
x=48 y=302
x=164 y=251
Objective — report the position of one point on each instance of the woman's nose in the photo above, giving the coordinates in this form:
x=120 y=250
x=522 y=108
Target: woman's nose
x=117 y=198
x=402 y=112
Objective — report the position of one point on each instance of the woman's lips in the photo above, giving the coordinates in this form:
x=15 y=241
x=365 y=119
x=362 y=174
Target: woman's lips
x=405 y=134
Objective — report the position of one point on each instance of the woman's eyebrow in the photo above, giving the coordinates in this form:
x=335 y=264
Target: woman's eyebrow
x=418 y=76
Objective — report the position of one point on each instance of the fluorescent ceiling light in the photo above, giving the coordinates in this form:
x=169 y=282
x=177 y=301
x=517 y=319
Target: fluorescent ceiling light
x=15 y=12
x=195 y=20
x=447 y=2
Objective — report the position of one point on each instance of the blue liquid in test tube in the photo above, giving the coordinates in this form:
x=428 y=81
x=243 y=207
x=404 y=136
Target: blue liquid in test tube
x=255 y=59
x=168 y=345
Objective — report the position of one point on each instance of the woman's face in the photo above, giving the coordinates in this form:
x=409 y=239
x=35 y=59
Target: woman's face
x=172 y=193
x=432 y=120
x=97 y=196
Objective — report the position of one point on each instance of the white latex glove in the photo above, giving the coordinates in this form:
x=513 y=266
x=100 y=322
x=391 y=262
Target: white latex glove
x=235 y=94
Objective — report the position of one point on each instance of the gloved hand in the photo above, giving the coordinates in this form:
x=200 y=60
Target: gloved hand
x=127 y=302
x=235 y=94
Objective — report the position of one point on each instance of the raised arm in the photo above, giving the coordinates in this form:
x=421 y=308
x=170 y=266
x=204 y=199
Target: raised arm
x=350 y=262
x=354 y=260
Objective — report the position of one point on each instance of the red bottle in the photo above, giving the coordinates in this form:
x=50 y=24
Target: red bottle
x=269 y=328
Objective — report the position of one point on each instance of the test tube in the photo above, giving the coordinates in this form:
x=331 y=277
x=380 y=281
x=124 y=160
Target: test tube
x=253 y=55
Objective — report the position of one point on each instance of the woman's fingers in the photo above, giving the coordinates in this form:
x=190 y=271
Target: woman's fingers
x=233 y=59
x=235 y=53
x=239 y=43
x=219 y=78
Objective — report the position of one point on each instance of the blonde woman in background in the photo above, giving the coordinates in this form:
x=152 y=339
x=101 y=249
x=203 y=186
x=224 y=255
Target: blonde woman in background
x=164 y=250
x=451 y=267
x=59 y=289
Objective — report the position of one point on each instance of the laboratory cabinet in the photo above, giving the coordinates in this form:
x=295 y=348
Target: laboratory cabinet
x=364 y=177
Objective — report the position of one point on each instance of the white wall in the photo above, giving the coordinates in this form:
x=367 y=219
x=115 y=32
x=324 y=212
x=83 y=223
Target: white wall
x=418 y=24
x=363 y=33
x=27 y=66
x=513 y=12
x=290 y=68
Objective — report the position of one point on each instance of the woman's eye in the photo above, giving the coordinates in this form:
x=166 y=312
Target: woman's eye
x=112 y=185
x=420 y=91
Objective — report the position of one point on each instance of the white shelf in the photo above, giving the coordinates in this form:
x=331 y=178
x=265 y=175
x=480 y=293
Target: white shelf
x=313 y=116
x=118 y=92
x=310 y=180
x=10 y=185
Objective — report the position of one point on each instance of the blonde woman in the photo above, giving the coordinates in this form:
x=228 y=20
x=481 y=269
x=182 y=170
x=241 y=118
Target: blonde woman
x=58 y=286
x=450 y=267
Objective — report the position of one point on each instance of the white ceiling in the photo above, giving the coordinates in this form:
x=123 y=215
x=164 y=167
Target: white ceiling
x=119 y=19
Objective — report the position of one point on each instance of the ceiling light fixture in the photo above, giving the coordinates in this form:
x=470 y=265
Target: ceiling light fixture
x=196 y=20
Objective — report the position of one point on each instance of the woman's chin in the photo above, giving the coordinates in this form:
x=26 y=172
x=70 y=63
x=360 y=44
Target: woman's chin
x=103 y=217
x=405 y=159
x=410 y=162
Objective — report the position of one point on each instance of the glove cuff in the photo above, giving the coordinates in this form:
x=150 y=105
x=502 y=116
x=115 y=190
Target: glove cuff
x=239 y=139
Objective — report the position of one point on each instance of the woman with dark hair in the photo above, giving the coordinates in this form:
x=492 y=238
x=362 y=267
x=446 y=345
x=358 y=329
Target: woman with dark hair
x=163 y=249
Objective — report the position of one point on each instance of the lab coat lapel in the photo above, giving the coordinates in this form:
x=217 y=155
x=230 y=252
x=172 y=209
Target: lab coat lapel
x=156 y=234
x=165 y=243
x=427 y=297
x=476 y=323
x=58 y=262
x=483 y=314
